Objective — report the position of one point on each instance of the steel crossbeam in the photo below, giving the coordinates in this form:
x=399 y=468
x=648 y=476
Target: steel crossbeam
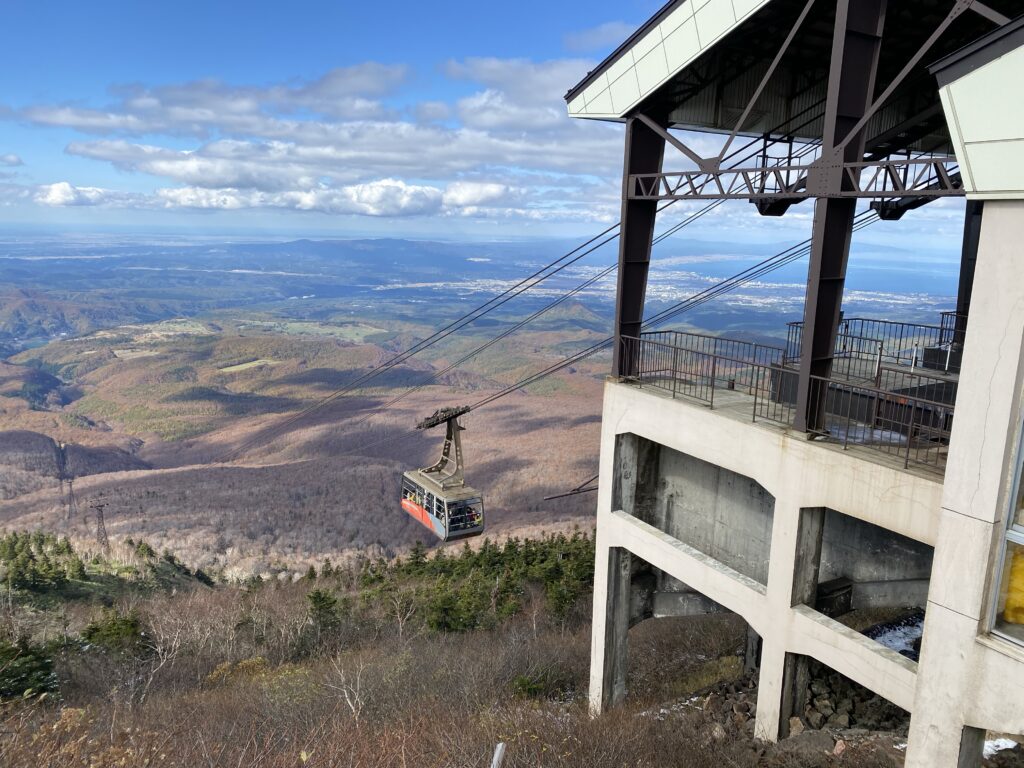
x=929 y=177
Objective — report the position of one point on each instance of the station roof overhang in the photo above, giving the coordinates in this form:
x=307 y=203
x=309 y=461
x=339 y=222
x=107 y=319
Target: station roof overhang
x=980 y=90
x=696 y=64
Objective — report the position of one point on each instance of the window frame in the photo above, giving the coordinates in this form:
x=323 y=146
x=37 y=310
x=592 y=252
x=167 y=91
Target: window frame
x=1012 y=533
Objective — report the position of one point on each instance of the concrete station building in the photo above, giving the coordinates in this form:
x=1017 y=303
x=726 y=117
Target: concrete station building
x=866 y=462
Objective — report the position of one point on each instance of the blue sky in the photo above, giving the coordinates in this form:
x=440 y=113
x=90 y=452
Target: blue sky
x=323 y=118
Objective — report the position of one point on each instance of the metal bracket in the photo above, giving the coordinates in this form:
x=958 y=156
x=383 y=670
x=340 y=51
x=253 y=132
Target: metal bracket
x=449 y=468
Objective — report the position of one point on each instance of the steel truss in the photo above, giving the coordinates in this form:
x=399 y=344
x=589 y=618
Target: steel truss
x=929 y=177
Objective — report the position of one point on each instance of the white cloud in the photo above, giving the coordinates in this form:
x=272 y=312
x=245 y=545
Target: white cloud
x=10 y=160
x=329 y=145
x=605 y=36
x=385 y=197
x=64 y=194
x=460 y=194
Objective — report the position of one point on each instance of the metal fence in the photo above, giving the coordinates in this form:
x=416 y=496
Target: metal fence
x=861 y=339
x=909 y=416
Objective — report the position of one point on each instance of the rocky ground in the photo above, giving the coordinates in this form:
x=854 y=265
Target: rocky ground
x=845 y=721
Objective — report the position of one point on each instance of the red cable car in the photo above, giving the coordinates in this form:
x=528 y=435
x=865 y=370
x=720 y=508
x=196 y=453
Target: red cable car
x=437 y=497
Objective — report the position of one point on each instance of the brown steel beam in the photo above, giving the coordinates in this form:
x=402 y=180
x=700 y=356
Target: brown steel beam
x=968 y=260
x=919 y=177
x=645 y=151
x=856 y=45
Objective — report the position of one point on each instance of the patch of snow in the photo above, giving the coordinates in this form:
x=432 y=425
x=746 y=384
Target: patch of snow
x=901 y=638
x=998 y=745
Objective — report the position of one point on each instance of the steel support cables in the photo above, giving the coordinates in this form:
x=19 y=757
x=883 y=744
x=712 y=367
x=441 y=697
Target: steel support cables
x=725 y=286
x=519 y=288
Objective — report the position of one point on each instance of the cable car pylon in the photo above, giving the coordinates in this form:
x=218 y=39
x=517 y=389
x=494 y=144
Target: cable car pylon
x=437 y=496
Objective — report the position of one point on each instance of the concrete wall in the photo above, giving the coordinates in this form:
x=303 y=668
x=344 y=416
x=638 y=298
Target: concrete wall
x=718 y=511
x=799 y=475
x=968 y=677
x=730 y=517
x=868 y=553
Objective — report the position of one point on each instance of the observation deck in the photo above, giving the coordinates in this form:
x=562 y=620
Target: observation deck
x=891 y=390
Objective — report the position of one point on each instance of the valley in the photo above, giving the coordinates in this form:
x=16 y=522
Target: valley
x=181 y=377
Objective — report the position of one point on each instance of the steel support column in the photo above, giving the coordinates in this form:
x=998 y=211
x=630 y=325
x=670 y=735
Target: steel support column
x=857 y=41
x=968 y=260
x=645 y=150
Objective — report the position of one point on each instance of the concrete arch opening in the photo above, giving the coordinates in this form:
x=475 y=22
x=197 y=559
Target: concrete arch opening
x=723 y=514
x=867 y=577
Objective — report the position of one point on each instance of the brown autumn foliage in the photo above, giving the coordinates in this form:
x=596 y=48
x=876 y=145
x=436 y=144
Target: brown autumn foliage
x=224 y=684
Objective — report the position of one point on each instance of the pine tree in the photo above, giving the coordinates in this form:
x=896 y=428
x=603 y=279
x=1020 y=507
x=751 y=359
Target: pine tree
x=323 y=609
x=417 y=557
x=75 y=569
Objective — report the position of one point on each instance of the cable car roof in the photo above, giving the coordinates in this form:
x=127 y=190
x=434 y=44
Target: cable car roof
x=463 y=493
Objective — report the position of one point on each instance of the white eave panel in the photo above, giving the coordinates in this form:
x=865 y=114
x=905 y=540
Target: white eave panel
x=997 y=168
x=714 y=20
x=985 y=114
x=652 y=69
x=682 y=46
x=659 y=55
x=990 y=100
x=624 y=91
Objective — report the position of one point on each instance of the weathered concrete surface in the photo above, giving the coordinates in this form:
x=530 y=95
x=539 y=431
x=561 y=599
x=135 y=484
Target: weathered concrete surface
x=968 y=678
x=797 y=475
x=720 y=512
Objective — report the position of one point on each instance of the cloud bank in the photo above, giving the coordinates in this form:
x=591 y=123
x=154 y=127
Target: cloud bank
x=350 y=143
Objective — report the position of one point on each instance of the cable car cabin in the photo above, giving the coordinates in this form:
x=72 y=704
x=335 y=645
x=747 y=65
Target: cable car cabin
x=453 y=513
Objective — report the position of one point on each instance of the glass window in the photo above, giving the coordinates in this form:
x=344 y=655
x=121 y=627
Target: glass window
x=1018 y=511
x=1010 y=610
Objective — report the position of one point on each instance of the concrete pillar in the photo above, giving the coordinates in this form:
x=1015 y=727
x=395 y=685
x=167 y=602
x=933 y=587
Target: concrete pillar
x=612 y=572
x=769 y=688
x=975 y=500
x=806 y=567
x=609 y=647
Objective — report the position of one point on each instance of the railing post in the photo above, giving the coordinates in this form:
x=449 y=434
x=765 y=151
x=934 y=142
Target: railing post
x=639 y=371
x=675 y=370
x=714 y=368
x=756 y=378
x=849 y=408
x=910 y=432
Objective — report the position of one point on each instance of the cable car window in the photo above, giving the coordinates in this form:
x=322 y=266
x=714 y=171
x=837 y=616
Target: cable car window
x=465 y=515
